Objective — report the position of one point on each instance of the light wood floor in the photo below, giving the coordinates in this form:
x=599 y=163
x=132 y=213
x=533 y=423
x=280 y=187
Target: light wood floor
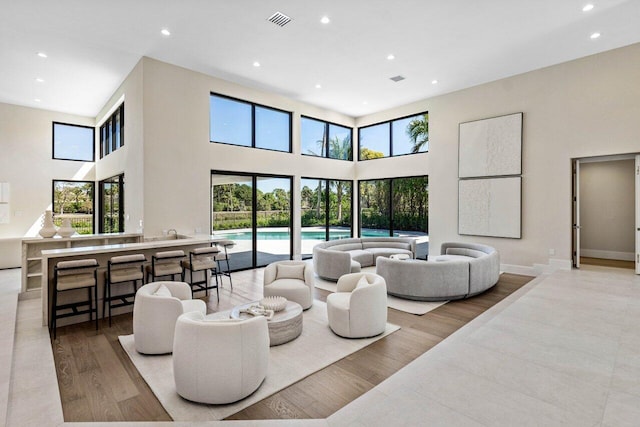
x=98 y=382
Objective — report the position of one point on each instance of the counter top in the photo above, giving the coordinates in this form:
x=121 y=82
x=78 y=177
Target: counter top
x=151 y=243
x=79 y=237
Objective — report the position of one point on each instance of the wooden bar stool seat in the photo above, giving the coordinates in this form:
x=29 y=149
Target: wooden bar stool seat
x=71 y=276
x=122 y=270
x=202 y=259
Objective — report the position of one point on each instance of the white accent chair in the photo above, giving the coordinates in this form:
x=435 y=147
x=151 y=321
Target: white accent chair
x=358 y=308
x=219 y=361
x=290 y=279
x=156 y=308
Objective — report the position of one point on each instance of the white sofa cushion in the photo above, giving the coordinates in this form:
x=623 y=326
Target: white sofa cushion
x=290 y=271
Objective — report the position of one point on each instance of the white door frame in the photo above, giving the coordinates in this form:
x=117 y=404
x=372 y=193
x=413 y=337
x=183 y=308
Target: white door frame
x=576 y=203
x=637 y=213
x=576 y=213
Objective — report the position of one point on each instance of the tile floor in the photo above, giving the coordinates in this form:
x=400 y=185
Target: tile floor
x=563 y=350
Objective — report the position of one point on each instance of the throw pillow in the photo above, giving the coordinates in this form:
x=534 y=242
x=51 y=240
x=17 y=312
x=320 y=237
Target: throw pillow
x=363 y=282
x=162 y=291
x=285 y=271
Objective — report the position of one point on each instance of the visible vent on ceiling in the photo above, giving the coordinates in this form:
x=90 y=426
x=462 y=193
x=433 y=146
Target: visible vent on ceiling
x=397 y=78
x=280 y=19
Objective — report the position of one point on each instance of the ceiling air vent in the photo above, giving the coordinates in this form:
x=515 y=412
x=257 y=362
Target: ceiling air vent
x=397 y=78
x=280 y=19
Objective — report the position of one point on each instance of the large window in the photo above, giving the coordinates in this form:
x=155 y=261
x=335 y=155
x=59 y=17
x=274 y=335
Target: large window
x=407 y=135
x=74 y=200
x=325 y=139
x=396 y=207
x=237 y=122
x=112 y=132
x=255 y=212
x=73 y=142
x=326 y=211
x=111 y=202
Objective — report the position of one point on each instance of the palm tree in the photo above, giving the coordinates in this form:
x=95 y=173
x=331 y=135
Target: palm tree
x=340 y=149
x=418 y=131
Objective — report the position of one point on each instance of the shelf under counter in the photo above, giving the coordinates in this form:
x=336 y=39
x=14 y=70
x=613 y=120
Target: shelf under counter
x=102 y=253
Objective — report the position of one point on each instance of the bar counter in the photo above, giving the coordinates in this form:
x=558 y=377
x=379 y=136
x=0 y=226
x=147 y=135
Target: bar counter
x=102 y=254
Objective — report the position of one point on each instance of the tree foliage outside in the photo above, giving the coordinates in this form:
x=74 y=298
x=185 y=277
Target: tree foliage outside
x=74 y=200
x=409 y=209
x=418 y=131
x=314 y=203
x=232 y=207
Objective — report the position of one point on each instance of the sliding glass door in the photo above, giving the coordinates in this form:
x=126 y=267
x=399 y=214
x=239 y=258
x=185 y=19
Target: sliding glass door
x=396 y=207
x=255 y=212
x=112 y=205
x=326 y=211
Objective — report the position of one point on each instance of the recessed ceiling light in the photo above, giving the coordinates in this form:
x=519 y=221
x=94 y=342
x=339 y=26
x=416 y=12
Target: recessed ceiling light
x=165 y=32
x=595 y=35
x=42 y=54
x=587 y=7
x=391 y=57
x=37 y=99
x=434 y=82
x=256 y=64
x=39 y=80
x=318 y=86
x=325 y=20
x=364 y=103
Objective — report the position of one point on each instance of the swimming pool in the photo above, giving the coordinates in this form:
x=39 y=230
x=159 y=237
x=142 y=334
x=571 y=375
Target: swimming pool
x=306 y=234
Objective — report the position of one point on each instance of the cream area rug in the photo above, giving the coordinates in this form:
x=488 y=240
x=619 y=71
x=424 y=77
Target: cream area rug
x=406 y=305
x=316 y=348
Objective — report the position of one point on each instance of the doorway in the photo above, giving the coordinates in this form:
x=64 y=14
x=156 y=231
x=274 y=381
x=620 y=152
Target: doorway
x=604 y=211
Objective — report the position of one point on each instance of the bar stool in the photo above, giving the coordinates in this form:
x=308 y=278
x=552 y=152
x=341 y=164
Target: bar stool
x=120 y=270
x=70 y=276
x=202 y=259
x=167 y=263
x=226 y=244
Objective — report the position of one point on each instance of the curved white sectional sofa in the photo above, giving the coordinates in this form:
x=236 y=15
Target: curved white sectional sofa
x=335 y=258
x=461 y=271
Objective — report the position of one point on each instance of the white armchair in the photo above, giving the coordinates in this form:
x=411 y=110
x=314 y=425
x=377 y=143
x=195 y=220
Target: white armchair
x=290 y=279
x=234 y=354
x=358 y=308
x=156 y=308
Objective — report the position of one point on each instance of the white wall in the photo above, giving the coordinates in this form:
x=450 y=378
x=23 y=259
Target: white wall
x=587 y=107
x=179 y=157
x=128 y=159
x=607 y=209
x=26 y=164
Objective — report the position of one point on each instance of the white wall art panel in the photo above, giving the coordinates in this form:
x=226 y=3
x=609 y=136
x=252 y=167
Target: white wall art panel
x=491 y=147
x=490 y=207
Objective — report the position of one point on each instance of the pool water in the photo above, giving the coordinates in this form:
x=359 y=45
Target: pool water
x=306 y=234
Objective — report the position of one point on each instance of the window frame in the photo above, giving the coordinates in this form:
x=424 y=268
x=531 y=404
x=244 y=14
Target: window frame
x=390 y=201
x=93 y=198
x=389 y=123
x=120 y=202
x=327 y=126
x=253 y=106
x=254 y=209
x=53 y=141
x=109 y=127
x=327 y=204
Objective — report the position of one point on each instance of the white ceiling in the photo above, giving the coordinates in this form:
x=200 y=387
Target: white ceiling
x=93 y=44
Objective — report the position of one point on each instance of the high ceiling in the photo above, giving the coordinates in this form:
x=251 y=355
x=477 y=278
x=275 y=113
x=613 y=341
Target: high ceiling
x=91 y=45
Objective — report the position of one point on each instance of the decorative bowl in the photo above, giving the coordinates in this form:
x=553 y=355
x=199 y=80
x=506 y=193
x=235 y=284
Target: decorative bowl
x=274 y=303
